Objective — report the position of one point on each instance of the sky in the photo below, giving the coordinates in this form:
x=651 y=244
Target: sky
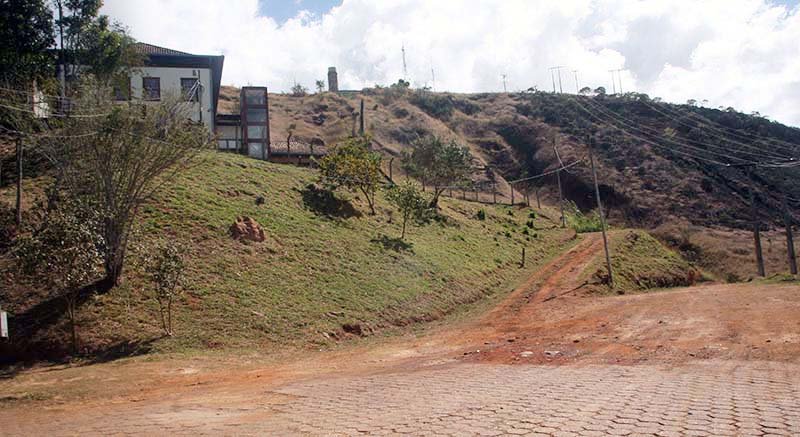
x=739 y=53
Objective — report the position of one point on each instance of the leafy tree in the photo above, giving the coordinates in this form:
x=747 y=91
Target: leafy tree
x=299 y=90
x=120 y=158
x=320 y=84
x=408 y=198
x=351 y=164
x=401 y=84
x=63 y=254
x=439 y=163
x=585 y=91
x=600 y=91
x=166 y=269
x=26 y=29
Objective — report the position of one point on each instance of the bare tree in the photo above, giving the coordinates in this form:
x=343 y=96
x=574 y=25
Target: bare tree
x=117 y=156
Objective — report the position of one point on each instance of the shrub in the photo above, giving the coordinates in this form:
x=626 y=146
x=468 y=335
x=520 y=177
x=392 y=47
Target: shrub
x=581 y=222
x=436 y=105
x=481 y=215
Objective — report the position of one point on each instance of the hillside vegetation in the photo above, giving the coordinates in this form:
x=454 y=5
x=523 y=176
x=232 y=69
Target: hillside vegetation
x=325 y=273
x=512 y=134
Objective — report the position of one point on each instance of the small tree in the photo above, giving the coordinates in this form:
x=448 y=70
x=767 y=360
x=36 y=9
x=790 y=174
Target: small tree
x=585 y=91
x=62 y=254
x=351 y=164
x=408 y=198
x=299 y=90
x=166 y=268
x=119 y=158
x=438 y=163
x=600 y=91
x=320 y=84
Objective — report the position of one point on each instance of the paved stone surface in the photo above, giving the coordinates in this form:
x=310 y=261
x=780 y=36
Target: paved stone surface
x=704 y=399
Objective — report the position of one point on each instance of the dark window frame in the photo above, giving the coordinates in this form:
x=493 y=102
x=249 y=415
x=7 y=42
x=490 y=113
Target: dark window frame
x=148 y=92
x=184 y=91
x=119 y=95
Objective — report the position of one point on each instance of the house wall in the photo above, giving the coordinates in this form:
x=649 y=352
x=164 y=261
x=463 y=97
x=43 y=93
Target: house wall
x=229 y=137
x=170 y=79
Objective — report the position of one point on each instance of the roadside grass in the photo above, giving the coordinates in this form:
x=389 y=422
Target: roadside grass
x=640 y=263
x=318 y=279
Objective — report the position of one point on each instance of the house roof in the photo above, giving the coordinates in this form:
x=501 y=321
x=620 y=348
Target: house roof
x=164 y=57
x=150 y=49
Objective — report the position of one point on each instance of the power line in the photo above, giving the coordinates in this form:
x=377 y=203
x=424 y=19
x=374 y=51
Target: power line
x=650 y=140
x=653 y=131
x=563 y=167
x=792 y=147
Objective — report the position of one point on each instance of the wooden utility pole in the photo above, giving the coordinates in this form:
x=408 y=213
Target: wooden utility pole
x=560 y=191
x=522 y=262
x=561 y=200
x=361 y=120
x=538 y=201
x=18 y=219
x=756 y=228
x=494 y=192
x=600 y=211
x=787 y=221
x=512 y=194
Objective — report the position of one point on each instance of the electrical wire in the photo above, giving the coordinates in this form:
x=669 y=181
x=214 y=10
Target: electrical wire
x=724 y=151
x=786 y=145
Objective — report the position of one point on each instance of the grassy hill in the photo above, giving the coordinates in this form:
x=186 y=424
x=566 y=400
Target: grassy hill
x=512 y=133
x=322 y=275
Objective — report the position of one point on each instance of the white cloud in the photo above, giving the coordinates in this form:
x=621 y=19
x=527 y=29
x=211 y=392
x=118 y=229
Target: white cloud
x=741 y=53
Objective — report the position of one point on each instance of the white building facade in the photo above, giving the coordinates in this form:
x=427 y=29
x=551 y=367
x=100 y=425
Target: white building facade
x=169 y=74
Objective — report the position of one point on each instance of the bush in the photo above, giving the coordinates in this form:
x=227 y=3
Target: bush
x=436 y=105
x=581 y=222
x=481 y=215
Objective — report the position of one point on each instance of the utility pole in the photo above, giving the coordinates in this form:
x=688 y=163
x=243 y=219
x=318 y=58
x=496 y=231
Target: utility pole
x=787 y=221
x=600 y=211
x=63 y=76
x=560 y=87
x=560 y=191
x=552 y=76
x=577 y=89
x=361 y=119
x=756 y=228
x=504 y=84
x=613 y=81
x=405 y=69
x=561 y=200
x=619 y=78
x=433 y=80
x=18 y=216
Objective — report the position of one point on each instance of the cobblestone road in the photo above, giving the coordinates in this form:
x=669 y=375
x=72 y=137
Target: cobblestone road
x=707 y=398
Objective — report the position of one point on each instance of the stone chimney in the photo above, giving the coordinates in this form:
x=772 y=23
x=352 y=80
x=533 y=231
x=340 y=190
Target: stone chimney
x=333 y=80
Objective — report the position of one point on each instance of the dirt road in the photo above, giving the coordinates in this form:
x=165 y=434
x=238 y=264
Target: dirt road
x=710 y=360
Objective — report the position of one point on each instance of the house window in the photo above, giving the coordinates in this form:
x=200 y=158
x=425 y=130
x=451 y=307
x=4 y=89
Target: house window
x=255 y=97
x=256 y=116
x=122 y=87
x=121 y=93
x=190 y=89
x=151 y=87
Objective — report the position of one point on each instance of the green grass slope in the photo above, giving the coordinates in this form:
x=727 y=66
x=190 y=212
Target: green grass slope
x=316 y=280
x=640 y=263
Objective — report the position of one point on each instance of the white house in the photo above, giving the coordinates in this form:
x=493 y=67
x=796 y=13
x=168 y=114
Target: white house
x=170 y=73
